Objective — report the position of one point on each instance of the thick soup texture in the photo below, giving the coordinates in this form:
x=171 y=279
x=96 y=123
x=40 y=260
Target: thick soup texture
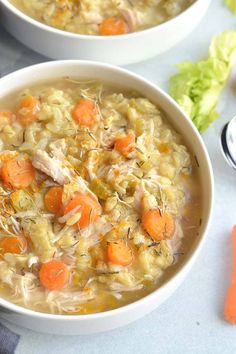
x=100 y=198
x=102 y=17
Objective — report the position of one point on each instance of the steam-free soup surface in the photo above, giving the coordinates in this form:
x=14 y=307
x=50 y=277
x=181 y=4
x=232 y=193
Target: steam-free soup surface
x=100 y=198
x=102 y=17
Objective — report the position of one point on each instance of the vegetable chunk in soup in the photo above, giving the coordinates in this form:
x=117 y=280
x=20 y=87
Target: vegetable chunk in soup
x=102 y=17
x=99 y=197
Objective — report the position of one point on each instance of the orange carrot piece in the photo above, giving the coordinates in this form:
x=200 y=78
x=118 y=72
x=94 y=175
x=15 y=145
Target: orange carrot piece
x=125 y=144
x=53 y=200
x=27 y=110
x=113 y=26
x=13 y=244
x=85 y=113
x=54 y=275
x=158 y=225
x=230 y=301
x=89 y=208
x=118 y=252
x=18 y=173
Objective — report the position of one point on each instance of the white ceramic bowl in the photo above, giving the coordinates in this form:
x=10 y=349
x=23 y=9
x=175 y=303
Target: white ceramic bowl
x=85 y=324
x=120 y=50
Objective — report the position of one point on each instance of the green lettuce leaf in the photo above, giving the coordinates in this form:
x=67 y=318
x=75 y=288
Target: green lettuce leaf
x=197 y=86
x=223 y=46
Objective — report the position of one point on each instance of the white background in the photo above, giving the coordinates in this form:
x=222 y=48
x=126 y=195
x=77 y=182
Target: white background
x=191 y=320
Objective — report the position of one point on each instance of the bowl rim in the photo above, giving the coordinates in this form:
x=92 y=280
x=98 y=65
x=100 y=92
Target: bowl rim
x=71 y=35
x=7 y=305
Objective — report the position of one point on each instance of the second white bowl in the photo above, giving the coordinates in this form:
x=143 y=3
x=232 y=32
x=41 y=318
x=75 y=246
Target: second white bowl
x=120 y=50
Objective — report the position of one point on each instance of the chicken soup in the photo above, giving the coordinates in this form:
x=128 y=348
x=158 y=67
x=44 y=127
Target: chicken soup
x=102 y=17
x=100 y=197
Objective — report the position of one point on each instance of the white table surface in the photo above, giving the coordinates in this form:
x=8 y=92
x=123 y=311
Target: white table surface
x=191 y=320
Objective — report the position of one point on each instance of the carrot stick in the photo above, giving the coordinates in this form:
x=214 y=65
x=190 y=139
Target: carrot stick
x=230 y=301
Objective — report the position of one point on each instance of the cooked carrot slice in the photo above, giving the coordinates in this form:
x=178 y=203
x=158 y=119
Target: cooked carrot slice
x=53 y=200
x=125 y=144
x=118 y=252
x=158 y=225
x=113 y=26
x=85 y=113
x=27 y=110
x=54 y=275
x=89 y=208
x=12 y=244
x=18 y=173
x=230 y=301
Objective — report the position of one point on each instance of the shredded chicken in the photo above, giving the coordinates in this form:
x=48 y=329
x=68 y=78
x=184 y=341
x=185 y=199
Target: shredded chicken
x=69 y=301
x=176 y=240
x=51 y=166
x=118 y=287
x=131 y=18
x=67 y=216
x=138 y=196
x=58 y=149
x=32 y=213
